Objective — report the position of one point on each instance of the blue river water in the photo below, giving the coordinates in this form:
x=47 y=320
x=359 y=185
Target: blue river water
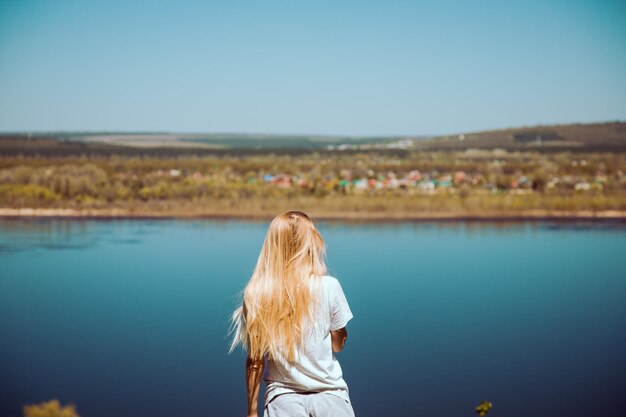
x=129 y=318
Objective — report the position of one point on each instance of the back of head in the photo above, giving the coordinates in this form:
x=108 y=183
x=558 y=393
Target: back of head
x=277 y=303
x=292 y=248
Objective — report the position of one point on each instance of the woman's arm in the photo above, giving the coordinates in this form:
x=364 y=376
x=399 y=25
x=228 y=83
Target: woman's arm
x=254 y=373
x=338 y=338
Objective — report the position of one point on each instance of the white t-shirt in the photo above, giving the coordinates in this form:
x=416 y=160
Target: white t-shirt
x=315 y=368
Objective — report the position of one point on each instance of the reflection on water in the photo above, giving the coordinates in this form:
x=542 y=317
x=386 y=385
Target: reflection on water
x=25 y=233
x=60 y=234
x=30 y=234
x=129 y=317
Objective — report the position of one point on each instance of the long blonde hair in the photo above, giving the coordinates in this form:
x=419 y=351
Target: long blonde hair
x=278 y=302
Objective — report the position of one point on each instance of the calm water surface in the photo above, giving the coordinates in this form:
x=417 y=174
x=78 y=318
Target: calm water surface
x=129 y=318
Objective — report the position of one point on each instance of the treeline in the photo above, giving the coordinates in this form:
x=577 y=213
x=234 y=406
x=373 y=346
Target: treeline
x=466 y=181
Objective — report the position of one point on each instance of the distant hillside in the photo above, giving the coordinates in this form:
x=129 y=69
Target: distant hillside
x=580 y=137
x=224 y=140
x=609 y=137
x=70 y=143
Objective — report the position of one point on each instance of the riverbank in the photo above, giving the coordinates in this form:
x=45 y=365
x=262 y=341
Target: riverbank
x=322 y=215
x=367 y=187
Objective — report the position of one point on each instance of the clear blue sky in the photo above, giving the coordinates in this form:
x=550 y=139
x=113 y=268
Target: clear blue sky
x=330 y=67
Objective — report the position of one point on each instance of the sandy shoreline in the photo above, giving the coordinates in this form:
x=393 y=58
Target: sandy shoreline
x=521 y=215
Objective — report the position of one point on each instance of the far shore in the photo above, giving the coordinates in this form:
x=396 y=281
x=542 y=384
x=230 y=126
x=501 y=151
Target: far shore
x=350 y=216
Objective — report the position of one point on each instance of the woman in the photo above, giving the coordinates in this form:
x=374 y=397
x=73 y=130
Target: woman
x=292 y=320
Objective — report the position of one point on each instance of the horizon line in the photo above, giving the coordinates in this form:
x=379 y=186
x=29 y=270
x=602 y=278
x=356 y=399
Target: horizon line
x=327 y=135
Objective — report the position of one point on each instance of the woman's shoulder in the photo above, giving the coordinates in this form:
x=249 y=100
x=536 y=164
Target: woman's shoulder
x=327 y=278
x=328 y=281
